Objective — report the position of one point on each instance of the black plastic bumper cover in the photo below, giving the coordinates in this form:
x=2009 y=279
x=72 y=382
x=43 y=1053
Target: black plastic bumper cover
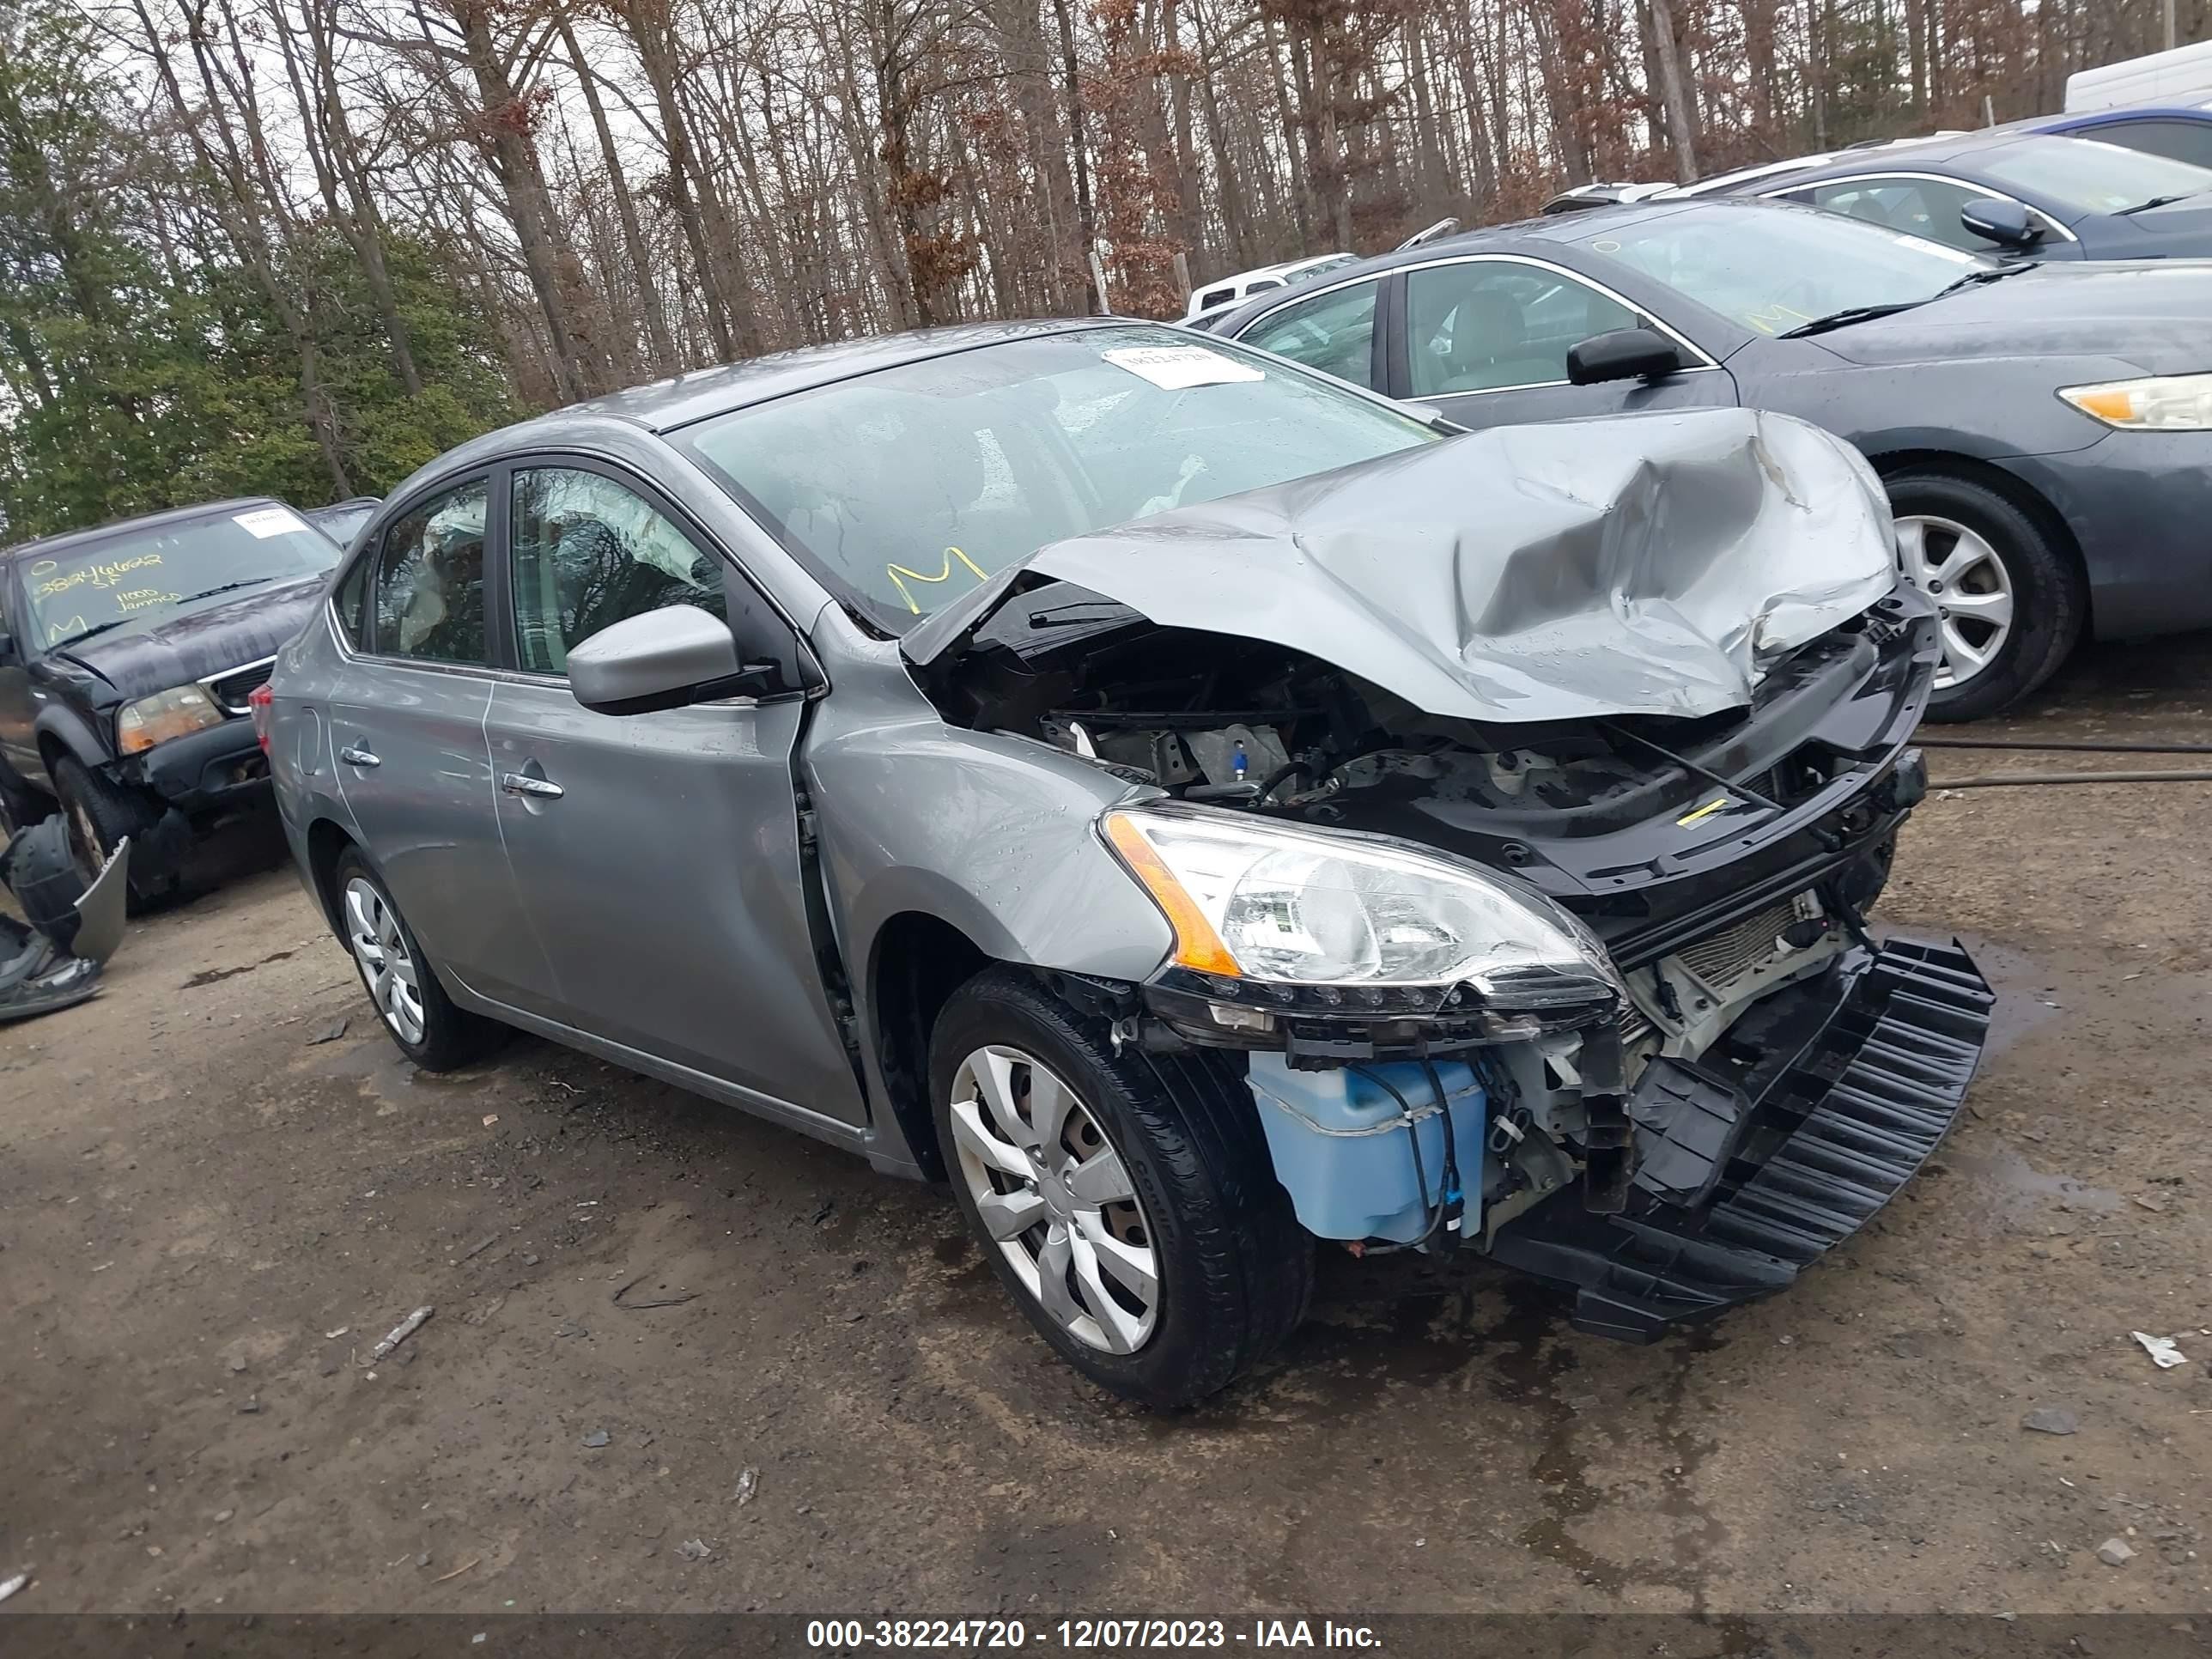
x=1844 y=1111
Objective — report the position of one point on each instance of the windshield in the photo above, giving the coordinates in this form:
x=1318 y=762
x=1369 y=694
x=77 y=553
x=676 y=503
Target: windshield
x=904 y=488
x=2092 y=176
x=1773 y=268
x=129 y=579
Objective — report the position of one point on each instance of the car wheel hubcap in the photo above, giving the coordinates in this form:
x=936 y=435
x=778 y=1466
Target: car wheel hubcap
x=373 y=931
x=1056 y=1199
x=1959 y=570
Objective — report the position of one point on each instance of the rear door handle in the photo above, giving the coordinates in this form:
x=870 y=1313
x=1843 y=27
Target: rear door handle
x=521 y=783
x=356 y=754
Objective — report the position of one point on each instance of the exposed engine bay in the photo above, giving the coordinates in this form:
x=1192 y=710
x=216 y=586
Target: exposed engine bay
x=1699 y=806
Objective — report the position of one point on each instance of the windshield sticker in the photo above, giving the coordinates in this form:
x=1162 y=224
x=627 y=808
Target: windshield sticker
x=266 y=521
x=1179 y=368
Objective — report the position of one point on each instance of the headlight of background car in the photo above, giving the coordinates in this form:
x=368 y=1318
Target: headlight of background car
x=2173 y=402
x=164 y=716
x=1282 y=906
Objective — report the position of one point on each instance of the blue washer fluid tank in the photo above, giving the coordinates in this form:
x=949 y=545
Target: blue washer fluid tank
x=1341 y=1146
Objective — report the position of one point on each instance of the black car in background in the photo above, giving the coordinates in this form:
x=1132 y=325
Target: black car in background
x=340 y=520
x=2044 y=429
x=2054 y=196
x=127 y=654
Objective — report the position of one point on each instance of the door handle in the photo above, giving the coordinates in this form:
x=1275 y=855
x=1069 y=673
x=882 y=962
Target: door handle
x=521 y=783
x=356 y=754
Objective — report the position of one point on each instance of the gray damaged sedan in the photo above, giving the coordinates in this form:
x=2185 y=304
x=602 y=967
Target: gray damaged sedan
x=1192 y=806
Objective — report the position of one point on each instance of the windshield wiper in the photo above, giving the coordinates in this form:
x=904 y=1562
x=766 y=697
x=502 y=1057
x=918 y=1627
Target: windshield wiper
x=1850 y=314
x=2159 y=201
x=1056 y=616
x=227 y=587
x=97 y=628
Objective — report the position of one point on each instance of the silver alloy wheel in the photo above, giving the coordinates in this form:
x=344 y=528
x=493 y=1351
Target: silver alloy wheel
x=373 y=931
x=1052 y=1192
x=1959 y=570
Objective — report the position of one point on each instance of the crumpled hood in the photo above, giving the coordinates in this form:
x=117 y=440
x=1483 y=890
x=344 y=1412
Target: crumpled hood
x=180 y=647
x=1642 y=564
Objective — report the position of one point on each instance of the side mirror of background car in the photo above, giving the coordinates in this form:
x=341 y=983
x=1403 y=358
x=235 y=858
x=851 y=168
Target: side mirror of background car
x=7 y=645
x=2005 y=224
x=664 y=659
x=1622 y=353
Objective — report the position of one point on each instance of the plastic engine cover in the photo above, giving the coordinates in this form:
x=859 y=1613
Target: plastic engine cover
x=1343 y=1150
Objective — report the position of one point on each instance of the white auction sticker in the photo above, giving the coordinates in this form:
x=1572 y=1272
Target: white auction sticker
x=1176 y=368
x=267 y=521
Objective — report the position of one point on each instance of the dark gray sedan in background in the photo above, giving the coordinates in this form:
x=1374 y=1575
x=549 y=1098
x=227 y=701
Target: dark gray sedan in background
x=1196 y=807
x=2044 y=430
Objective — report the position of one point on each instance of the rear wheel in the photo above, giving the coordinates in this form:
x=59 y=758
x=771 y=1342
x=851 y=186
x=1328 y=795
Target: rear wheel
x=417 y=1012
x=2010 y=601
x=1126 y=1201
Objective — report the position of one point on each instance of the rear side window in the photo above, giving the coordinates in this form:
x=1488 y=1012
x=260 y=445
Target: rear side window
x=589 y=552
x=428 y=585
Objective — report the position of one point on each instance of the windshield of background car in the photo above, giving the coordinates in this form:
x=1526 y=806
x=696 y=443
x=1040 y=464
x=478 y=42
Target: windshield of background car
x=131 y=578
x=904 y=488
x=2094 y=177
x=1773 y=268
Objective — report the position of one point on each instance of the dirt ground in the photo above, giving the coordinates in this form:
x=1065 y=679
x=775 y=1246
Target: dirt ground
x=210 y=1208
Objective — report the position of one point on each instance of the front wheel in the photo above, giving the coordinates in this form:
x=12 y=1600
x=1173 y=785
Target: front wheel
x=2010 y=602
x=100 y=816
x=417 y=1012
x=1126 y=1201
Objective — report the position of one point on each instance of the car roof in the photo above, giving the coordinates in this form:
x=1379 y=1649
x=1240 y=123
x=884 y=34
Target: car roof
x=667 y=405
x=2119 y=116
x=1957 y=148
x=1537 y=237
x=72 y=540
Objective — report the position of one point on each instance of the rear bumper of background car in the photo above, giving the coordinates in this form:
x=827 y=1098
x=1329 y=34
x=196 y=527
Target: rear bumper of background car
x=1861 y=1073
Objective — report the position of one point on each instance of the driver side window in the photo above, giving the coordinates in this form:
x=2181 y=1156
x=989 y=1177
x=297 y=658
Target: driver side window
x=1483 y=326
x=588 y=553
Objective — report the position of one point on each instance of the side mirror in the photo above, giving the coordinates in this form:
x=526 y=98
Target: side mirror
x=7 y=645
x=1622 y=353
x=662 y=659
x=2005 y=224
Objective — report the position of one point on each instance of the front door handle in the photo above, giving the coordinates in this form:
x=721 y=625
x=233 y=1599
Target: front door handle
x=356 y=754
x=521 y=783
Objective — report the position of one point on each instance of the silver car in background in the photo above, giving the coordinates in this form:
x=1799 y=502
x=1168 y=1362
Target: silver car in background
x=1193 y=807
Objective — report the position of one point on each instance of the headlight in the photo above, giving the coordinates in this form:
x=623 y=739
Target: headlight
x=2174 y=403
x=164 y=716
x=1258 y=901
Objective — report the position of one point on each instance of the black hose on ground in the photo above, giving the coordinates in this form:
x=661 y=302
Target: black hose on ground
x=2065 y=745
x=2020 y=779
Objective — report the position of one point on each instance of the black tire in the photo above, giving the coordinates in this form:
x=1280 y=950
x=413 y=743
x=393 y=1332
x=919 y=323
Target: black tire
x=101 y=814
x=2050 y=604
x=1234 y=1269
x=451 y=1037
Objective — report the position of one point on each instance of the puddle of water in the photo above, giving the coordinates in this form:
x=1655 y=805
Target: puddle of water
x=2018 y=1186
x=2019 y=980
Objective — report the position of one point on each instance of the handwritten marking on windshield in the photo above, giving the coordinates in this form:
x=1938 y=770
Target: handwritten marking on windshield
x=899 y=573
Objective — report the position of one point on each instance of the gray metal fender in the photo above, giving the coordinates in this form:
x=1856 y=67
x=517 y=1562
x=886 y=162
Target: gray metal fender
x=993 y=836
